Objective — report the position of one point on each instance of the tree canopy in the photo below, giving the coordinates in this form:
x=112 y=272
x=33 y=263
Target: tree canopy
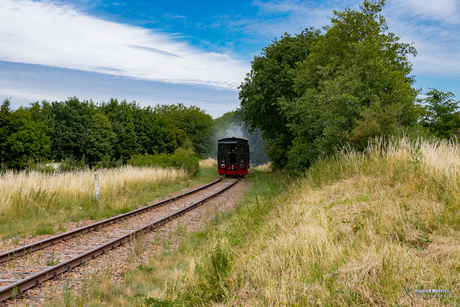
x=440 y=114
x=84 y=131
x=350 y=83
x=271 y=78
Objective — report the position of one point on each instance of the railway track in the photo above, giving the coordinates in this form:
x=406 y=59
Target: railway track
x=28 y=266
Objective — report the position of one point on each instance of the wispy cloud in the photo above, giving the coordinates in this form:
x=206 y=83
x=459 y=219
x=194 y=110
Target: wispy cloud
x=433 y=26
x=58 y=35
x=154 y=50
x=173 y=16
x=274 y=18
x=434 y=29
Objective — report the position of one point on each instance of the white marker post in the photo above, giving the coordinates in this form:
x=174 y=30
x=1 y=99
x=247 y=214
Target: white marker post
x=96 y=186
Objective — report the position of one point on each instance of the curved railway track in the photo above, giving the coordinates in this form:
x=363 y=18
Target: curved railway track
x=28 y=266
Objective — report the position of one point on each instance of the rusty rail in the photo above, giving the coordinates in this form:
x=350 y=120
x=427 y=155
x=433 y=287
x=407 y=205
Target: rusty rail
x=14 y=253
x=20 y=287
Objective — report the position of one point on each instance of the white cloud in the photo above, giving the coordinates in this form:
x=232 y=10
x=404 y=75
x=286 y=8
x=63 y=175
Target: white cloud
x=58 y=35
x=434 y=29
x=440 y=10
x=433 y=26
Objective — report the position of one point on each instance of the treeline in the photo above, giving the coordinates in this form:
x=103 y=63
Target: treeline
x=314 y=92
x=90 y=133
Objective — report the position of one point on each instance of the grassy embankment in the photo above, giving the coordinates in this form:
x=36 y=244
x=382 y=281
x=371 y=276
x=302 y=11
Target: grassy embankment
x=35 y=203
x=355 y=231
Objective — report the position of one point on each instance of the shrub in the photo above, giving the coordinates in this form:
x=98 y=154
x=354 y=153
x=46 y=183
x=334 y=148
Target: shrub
x=181 y=159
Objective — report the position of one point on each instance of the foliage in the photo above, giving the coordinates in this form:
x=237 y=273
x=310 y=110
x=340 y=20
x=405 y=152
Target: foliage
x=69 y=164
x=121 y=116
x=181 y=159
x=72 y=119
x=100 y=137
x=354 y=85
x=271 y=78
x=193 y=121
x=104 y=135
x=440 y=114
x=21 y=138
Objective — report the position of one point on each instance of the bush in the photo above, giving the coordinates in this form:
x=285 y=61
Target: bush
x=108 y=162
x=181 y=159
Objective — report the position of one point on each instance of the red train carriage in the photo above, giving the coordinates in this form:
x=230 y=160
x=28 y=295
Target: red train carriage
x=233 y=157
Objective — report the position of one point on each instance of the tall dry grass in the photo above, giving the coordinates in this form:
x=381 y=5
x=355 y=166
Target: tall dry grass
x=361 y=229
x=33 y=196
x=208 y=163
x=264 y=167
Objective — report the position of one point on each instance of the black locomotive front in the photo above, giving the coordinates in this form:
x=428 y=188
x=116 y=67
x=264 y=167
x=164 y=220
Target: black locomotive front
x=233 y=157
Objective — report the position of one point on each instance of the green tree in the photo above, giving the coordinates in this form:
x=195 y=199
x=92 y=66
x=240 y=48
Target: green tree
x=193 y=121
x=43 y=113
x=155 y=134
x=21 y=138
x=71 y=120
x=122 y=118
x=354 y=85
x=8 y=126
x=271 y=78
x=101 y=138
x=440 y=114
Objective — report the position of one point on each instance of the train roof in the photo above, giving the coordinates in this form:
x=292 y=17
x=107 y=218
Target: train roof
x=232 y=140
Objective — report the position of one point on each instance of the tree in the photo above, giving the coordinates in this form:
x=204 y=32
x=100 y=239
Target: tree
x=440 y=114
x=21 y=138
x=69 y=136
x=155 y=134
x=354 y=85
x=271 y=78
x=121 y=116
x=193 y=121
x=101 y=138
x=7 y=127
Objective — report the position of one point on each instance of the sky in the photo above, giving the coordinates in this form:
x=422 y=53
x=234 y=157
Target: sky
x=190 y=52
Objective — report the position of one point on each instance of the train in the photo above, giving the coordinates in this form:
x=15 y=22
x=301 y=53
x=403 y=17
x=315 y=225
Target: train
x=233 y=157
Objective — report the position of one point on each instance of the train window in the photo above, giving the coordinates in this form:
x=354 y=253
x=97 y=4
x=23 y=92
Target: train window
x=241 y=148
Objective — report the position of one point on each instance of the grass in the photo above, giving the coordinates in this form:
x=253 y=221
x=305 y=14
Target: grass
x=209 y=249
x=359 y=229
x=34 y=203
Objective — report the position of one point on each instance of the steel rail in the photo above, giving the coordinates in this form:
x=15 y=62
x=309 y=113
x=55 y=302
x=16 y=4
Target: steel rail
x=20 y=287
x=20 y=251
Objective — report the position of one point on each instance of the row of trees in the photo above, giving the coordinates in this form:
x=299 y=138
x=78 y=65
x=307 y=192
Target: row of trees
x=83 y=130
x=315 y=91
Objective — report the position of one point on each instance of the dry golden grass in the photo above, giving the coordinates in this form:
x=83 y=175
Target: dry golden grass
x=265 y=167
x=21 y=186
x=361 y=240
x=37 y=203
x=208 y=163
x=360 y=229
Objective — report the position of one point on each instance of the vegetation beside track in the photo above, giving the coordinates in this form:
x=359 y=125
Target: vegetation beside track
x=356 y=230
x=38 y=204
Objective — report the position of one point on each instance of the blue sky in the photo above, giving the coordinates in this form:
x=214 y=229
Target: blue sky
x=191 y=52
